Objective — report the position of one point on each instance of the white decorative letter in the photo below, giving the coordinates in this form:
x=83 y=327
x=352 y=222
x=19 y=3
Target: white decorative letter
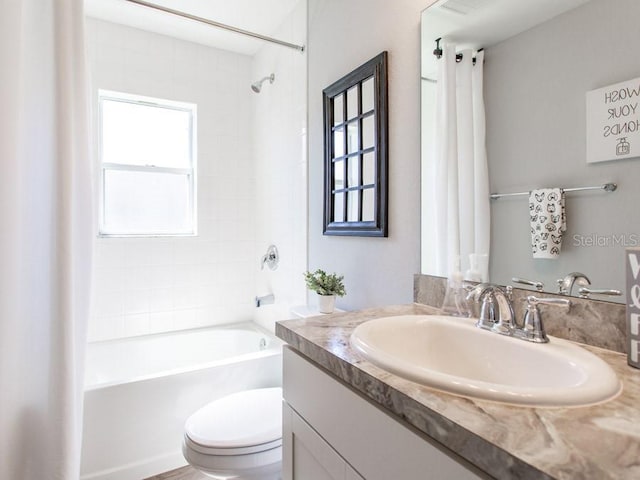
x=634 y=324
x=635 y=296
x=635 y=265
x=633 y=354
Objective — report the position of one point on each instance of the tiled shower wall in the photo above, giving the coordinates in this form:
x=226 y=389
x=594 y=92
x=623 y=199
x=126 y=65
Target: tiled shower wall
x=147 y=285
x=280 y=147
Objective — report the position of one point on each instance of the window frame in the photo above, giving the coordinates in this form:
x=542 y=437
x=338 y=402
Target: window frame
x=190 y=172
x=375 y=68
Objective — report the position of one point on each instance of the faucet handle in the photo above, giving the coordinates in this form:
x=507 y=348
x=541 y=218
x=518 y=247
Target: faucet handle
x=478 y=291
x=271 y=258
x=586 y=291
x=539 y=286
x=496 y=311
x=533 y=328
x=484 y=294
x=561 y=290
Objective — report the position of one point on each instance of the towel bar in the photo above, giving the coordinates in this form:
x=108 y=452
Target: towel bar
x=607 y=187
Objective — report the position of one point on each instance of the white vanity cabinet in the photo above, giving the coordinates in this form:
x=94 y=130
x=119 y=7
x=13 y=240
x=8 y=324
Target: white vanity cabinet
x=330 y=432
x=309 y=456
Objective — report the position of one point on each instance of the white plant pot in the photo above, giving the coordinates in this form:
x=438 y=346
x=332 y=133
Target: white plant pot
x=326 y=303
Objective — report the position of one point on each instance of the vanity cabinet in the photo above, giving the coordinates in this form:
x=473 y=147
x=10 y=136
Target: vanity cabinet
x=314 y=458
x=330 y=432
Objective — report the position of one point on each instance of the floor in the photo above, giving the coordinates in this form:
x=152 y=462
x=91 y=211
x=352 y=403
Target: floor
x=184 y=473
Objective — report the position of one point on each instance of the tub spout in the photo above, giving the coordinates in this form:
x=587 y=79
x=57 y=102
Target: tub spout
x=265 y=300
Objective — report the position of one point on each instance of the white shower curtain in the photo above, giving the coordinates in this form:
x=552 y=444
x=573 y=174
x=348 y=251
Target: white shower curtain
x=45 y=237
x=460 y=183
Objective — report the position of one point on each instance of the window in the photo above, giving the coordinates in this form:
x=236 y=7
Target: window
x=147 y=154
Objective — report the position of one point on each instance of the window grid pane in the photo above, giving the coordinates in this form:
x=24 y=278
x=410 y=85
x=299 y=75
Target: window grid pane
x=146 y=202
x=148 y=166
x=139 y=134
x=352 y=197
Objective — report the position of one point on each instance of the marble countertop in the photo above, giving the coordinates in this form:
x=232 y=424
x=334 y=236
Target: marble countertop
x=597 y=442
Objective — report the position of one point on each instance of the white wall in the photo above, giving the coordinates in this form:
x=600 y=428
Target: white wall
x=280 y=151
x=342 y=36
x=145 y=285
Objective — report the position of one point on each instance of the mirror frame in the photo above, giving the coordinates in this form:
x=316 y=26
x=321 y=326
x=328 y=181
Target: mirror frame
x=375 y=68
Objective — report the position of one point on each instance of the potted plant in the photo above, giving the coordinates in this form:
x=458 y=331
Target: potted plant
x=327 y=286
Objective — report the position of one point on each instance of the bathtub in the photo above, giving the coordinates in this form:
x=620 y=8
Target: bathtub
x=139 y=391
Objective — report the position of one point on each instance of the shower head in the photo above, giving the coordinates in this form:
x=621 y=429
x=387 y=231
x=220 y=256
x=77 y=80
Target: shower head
x=257 y=86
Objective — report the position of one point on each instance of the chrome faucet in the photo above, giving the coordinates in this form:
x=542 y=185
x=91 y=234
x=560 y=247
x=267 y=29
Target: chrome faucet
x=496 y=311
x=565 y=285
x=497 y=315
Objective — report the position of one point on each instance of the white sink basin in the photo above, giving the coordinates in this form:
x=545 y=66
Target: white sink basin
x=452 y=355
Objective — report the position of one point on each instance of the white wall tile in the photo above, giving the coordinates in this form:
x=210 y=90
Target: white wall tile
x=147 y=285
x=185 y=318
x=108 y=303
x=160 y=276
x=137 y=324
x=161 y=300
x=161 y=253
x=161 y=321
x=108 y=255
x=108 y=279
x=136 y=301
x=251 y=187
x=106 y=328
x=281 y=166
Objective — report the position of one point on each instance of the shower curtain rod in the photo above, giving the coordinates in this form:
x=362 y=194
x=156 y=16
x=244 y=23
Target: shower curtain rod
x=459 y=56
x=218 y=24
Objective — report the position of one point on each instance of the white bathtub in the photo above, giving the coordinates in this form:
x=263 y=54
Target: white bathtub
x=139 y=392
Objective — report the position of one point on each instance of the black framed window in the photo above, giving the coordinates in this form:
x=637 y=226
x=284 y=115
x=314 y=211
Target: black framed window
x=356 y=151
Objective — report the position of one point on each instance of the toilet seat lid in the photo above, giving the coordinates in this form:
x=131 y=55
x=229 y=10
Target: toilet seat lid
x=247 y=418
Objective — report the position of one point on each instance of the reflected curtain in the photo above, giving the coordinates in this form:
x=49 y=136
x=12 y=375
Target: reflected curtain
x=45 y=239
x=460 y=187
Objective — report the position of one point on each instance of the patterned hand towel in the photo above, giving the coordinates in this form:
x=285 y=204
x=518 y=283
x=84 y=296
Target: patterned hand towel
x=548 y=221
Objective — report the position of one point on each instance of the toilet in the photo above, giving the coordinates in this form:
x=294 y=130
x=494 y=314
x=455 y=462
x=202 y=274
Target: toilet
x=237 y=437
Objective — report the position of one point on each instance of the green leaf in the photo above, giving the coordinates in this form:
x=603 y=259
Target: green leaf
x=325 y=284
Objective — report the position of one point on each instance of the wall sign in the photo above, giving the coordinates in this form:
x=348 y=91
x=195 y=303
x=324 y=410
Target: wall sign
x=613 y=122
x=633 y=307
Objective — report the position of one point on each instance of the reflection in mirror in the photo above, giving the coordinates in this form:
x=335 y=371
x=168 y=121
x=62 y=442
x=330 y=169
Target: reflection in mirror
x=458 y=193
x=354 y=206
x=368 y=169
x=338 y=174
x=352 y=139
x=338 y=110
x=368 y=132
x=352 y=103
x=354 y=170
x=338 y=143
x=367 y=95
x=368 y=205
x=338 y=205
x=541 y=59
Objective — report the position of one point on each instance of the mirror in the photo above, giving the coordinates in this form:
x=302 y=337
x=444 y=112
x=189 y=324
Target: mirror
x=355 y=152
x=541 y=59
